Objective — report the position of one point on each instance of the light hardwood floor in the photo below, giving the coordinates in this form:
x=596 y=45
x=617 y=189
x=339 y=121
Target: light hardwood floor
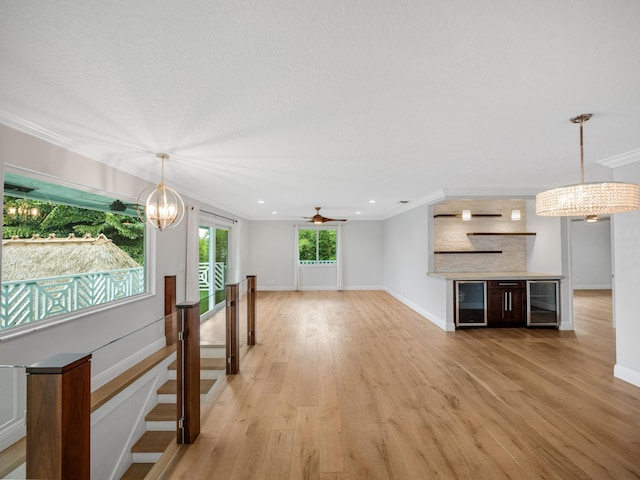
x=354 y=385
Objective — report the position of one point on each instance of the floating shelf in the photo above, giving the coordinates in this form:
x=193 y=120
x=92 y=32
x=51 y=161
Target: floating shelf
x=459 y=215
x=477 y=234
x=456 y=252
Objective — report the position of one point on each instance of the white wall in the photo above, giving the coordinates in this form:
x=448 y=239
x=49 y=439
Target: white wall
x=626 y=243
x=272 y=255
x=591 y=255
x=544 y=251
x=406 y=255
x=362 y=254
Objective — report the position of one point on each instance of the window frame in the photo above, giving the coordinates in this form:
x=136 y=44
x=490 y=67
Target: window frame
x=149 y=268
x=316 y=263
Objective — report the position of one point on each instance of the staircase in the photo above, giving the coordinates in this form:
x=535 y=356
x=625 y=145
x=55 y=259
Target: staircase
x=161 y=420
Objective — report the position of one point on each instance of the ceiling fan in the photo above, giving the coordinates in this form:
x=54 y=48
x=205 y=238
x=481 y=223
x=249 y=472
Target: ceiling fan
x=319 y=219
x=591 y=219
x=119 y=206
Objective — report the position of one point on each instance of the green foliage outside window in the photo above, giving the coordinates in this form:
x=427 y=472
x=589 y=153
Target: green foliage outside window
x=317 y=245
x=125 y=231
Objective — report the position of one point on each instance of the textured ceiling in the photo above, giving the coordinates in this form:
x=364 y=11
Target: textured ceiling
x=328 y=103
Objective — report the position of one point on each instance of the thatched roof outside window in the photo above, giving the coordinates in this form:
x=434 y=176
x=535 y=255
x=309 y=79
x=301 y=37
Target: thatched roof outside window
x=38 y=257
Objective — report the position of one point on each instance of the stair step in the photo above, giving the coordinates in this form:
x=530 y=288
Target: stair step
x=171 y=386
x=162 y=412
x=210 y=374
x=206 y=363
x=213 y=351
x=137 y=471
x=153 y=442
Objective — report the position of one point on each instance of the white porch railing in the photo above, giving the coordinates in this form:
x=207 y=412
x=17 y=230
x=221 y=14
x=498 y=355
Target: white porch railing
x=29 y=301
x=317 y=262
x=219 y=276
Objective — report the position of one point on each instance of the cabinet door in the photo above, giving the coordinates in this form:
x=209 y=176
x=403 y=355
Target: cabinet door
x=543 y=303
x=470 y=304
x=506 y=304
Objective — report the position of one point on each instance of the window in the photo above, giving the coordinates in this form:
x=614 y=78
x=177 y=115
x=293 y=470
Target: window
x=317 y=246
x=64 y=250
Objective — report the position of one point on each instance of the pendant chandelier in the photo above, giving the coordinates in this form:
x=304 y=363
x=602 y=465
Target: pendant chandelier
x=163 y=208
x=585 y=199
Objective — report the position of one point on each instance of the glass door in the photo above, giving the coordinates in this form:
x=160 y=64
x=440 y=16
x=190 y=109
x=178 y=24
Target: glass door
x=543 y=310
x=471 y=303
x=213 y=266
x=221 y=263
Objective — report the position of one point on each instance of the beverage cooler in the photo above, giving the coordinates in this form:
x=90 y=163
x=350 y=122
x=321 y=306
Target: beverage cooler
x=543 y=309
x=471 y=303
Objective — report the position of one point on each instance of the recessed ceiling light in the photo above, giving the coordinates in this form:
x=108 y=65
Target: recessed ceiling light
x=274 y=212
x=357 y=213
x=260 y=201
x=372 y=201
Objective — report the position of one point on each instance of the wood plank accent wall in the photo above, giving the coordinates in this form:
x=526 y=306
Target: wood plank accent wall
x=451 y=234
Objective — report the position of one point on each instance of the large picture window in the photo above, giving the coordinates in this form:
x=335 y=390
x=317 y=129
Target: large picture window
x=317 y=246
x=64 y=250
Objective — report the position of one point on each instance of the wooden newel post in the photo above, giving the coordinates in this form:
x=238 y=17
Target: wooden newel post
x=251 y=309
x=188 y=372
x=58 y=417
x=170 y=314
x=232 y=328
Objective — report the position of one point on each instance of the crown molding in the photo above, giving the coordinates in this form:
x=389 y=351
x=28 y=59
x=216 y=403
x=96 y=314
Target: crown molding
x=35 y=130
x=621 y=159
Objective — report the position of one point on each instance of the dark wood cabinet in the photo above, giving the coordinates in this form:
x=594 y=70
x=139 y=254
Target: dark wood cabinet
x=506 y=303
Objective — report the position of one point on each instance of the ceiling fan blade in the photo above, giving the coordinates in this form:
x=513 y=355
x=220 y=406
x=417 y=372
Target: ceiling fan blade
x=318 y=219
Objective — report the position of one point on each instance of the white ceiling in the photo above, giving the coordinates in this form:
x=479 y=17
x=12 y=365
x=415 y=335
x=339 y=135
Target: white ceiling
x=329 y=103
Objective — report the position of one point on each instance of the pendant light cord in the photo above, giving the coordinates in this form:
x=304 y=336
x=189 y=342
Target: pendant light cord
x=581 y=152
x=580 y=119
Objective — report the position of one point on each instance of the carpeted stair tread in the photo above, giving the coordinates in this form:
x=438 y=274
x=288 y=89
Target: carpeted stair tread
x=153 y=442
x=162 y=412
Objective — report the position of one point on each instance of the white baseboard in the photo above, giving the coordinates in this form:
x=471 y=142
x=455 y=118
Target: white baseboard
x=363 y=287
x=12 y=433
x=627 y=375
x=112 y=372
x=289 y=288
x=428 y=315
x=275 y=288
